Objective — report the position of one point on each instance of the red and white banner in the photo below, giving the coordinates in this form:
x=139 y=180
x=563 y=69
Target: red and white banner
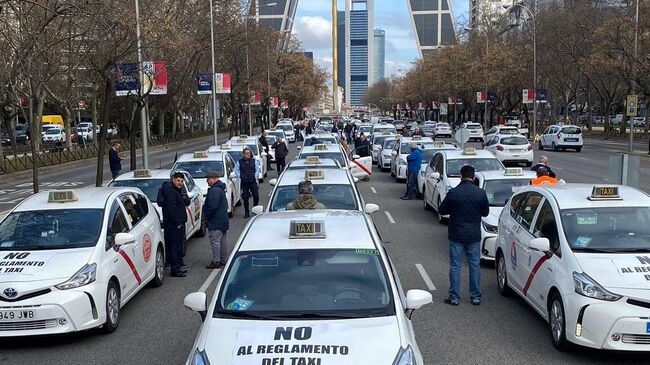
x=528 y=96
x=435 y=104
x=222 y=83
x=398 y=106
x=155 y=80
x=420 y=106
x=276 y=102
x=256 y=98
x=480 y=97
x=285 y=104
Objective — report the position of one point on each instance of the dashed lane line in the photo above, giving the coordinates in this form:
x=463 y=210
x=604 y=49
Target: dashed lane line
x=425 y=276
x=373 y=189
x=390 y=217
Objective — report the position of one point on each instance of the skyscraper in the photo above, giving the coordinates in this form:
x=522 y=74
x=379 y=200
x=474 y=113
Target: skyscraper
x=340 y=46
x=486 y=11
x=380 y=54
x=359 y=52
x=433 y=23
x=275 y=14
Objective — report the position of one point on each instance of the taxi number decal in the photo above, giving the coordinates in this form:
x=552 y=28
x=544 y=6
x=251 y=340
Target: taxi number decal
x=367 y=251
x=146 y=248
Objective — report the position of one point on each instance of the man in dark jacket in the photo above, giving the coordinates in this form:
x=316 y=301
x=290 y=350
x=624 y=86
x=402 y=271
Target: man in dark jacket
x=414 y=164
x=348 y=132
x=215 y=214
x=248 y=169
x=174 y=218
x=543 y=162
x=465 y=204
x=115 y=160
x=265 y=144
x=281 y=152
x=362 y=146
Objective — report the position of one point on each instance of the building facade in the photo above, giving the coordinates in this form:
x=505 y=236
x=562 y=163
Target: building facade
x=359 y=50
x=340 y=47
x=380 y=55
x=486 y=11
x=433 y=24
x=275 y=14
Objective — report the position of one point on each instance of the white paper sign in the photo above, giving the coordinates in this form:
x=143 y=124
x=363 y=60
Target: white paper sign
x=634 y=270
x=320 y=344
x=23 y=262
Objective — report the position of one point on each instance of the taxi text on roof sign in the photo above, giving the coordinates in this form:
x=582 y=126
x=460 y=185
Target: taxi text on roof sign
x=314 y=175
x=312 y=160
x=142 y=173
x=225 y=146
x=469 y=151
x=386 y=133
x=201 y=154
x=307 y=229
x=417 y=138
x=320 y=147
x=440 y=144
x=61 y=196
x=513 y=171
x=605 y=193
x=243 y=136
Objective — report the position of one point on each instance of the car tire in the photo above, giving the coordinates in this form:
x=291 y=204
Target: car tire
x=529 y=164
x=260 y=180
x=578 y=149
x=112 y=307
x=203 y=230
x=502 y=275
x=159 y=274
x=441 y=219
x=557 y=322
x=553 y=146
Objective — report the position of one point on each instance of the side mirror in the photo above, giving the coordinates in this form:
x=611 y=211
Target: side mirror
x=354 y=157
x=540 y=244
x=124 y=239
x=197 y=302
x=371 y=208
x=299 y=148
x=394 y=153
x=435 y=175
x=273 y=182
x=416 y=299
x=232 y=175
x=258 y=209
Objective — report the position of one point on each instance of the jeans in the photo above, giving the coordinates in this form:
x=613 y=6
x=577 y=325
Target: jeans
x=248 y=190
x=219 y=246
x=411 y=183
x=473 y=253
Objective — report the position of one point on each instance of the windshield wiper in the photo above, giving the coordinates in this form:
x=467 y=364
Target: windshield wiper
x=243 y=314
x=623 y=250
x=589 y=249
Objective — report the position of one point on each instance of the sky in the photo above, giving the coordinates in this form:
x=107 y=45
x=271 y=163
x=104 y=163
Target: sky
x=314 y=28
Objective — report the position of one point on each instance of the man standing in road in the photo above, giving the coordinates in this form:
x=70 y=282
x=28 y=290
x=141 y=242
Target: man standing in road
x=348 y=132
x=174 y=219
x=281 y=152
x=362 y=146
x=115 y=159
x=248 y=169
x=543 y=162
x=265 y=144
x=215 y=214
x=414 y=163
x=465 y=204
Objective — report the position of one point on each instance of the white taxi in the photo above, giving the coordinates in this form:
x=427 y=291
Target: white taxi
x=510 y=149
x=399 y=153
x=580 y=256
x=313 y=162
x=150 y=181
x=561 y=137
x=475 y=131
x=308 y=294
x=427 y=161
x=385 y=155
x=70 y=259
x=499 y=186
x=365 y=128
x=198 y=164
x=360 y=167
x=334 y=188
x=445 y=173
x=318 y=138
x=377 y=142
x=502 y=130
x=442 y=130
x=287 y=127
x=382 y=128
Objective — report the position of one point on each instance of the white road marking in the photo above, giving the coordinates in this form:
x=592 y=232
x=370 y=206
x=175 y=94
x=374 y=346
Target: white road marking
x=584 y=158
x=390 y=217
x=425 y=277
x=209 y=280
x=373 y=190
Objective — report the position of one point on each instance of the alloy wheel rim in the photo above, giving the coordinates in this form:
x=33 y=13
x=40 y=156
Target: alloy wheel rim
x=501 y=273
x=556 y=320
x=159 y=264
x=113 y=305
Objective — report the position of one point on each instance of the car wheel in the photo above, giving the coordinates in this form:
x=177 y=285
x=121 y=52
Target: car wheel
x=502 y=275
x=261 y=180
x=159 y=275
x=578 y=149
x=441 y=219
x=553 y=146
x=557 y=323
x=112 y=308
x=418 y=193
x=529 y=163
x=540 y=146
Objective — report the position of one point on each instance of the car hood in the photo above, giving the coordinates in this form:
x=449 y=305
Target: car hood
x=203 y=186
x=244 y=342
x=36 y=268
x=493 y=217
x=623 y=273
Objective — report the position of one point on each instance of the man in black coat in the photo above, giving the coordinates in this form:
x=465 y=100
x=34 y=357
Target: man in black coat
x=465 y=204
x=281 y=152
x=362 y=146
x=265 y=144
x=174 y=219
x=248 y=169
x=215 y=214
x=115 y=160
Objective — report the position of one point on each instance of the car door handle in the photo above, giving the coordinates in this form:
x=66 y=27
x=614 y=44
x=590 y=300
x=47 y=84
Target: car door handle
x=549 y=268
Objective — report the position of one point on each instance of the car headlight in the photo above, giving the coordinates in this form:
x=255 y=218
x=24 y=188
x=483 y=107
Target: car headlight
x=585 y=285
x=490 y=228
x=405 y=356
x=83 y=277
x=402 y=162
x=200 y=358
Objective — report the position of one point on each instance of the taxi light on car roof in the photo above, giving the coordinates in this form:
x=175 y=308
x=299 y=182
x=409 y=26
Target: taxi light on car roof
x=201 y=154
x=417 y=138
x=440 y=144
x=307 y=229
x=243 y=136
x=386 y=133
x=225 y=147
x=142 y=173
x=469 y=151
x=312 y=160
x=320 y=147
x=513 y=171
x=604 y=193
x=62 y=196
x=314 y=175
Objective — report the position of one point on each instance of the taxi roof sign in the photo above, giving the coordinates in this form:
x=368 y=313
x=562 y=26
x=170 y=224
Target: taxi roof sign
x=440 y=144
x=142 y=173
x=605 y=193
x=243 y=136
x=417 y=138
x=307 y=229
x=513 y=171
x=61 y=196
x=469 y=151
x=201 y=154
x=314 y=175
x=320 y=147
x=386 y=133
x=312 y=160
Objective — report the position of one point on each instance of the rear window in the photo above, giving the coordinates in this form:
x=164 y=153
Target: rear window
x=514 y=141
x=571 y=130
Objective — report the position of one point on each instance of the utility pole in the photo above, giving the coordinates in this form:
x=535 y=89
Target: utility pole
x=634 y=70
x=214 y=84
x=143 y=113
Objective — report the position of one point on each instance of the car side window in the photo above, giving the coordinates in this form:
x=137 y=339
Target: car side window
x=526 y=211
x=514 y=204
x=117 y=223
x=189 y=183
x=546 y=227
x=142 y=205
x=134 y=215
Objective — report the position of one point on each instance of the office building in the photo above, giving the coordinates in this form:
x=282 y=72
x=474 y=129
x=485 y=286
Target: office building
x=486 y=11
x=359 y=52
x=340 y=48
x=275 y=14
x=380 y=55
x=433 y=24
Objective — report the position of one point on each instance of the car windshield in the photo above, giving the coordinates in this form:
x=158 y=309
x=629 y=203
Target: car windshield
x=199 y=168
x=333 y=155
x=612 y=229
x=571 y=130
x=442 y=125
x=379 y=140
x=277 y=134
x=149 y=187
x=330 y=195
x=270 y=140
x=53 y=131
x=389 y=129
x=500 y=191
x=514 y=141
x=318 y=140
x=479 y=164
x=365 y=129
x=236 y=155
x=405 y=148
x=508 y=131
x=389 y=144
x=427 y=154
x=285 y=127
x=473 y=126
x=51 y=229
x=252 y=146
x=316 y=284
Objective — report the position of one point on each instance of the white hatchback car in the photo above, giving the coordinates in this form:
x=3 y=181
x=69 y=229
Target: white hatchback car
x=475 y=131
x=287 y=128
x=561 y=137
x=360 y=167
x=510 y=149
x=384 y=156
x=442 y=130
x=307 y=292
x=71 y=259
x=501 y=130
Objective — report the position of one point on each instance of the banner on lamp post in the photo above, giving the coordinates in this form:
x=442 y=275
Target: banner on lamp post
x=631 y=105
x=542 y=95
x=204 y=84
x=256 y=98
x=155 y=78
x=285 y=104
x=443 y=108
x=126 y=79
x=481 y=97
x=222 y=82
x=528 y=95
x=275 y=102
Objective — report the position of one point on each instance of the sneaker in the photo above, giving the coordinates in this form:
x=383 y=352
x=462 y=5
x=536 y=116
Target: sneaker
x=247 y=215
x=452 y=302
x=214 y=265
x=406 y=198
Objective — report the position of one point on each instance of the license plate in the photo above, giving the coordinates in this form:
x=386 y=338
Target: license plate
x=515 y=155
x=571 y=139
x=17 y=315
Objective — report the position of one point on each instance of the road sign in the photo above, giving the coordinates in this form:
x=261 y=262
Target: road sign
x=631 y=107
x=462 y=136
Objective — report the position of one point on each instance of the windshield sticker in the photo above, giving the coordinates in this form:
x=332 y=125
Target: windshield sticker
x=264 y=261
x=322 y=344
x=582 y=242
x=586 y=219
x=23 y=262
x=367 y=251
x=240 y=304
x=634 y=270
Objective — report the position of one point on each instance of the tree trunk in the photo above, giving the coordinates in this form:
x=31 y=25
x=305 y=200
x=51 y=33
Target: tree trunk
x=67 y=116
x=161 y=122
x=94 y=109
x=32 y=123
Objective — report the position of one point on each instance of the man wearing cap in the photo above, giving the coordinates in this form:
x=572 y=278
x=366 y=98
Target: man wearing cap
x=248 y=169
x=215 y=214
x=305 y=198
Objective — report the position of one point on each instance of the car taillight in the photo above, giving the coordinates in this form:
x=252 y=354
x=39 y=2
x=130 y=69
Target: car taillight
x=499 y=148
x=530 y=147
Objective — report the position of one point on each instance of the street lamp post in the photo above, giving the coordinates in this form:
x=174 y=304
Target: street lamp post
x=634 y=70
x=214 y=84
x=143 y=112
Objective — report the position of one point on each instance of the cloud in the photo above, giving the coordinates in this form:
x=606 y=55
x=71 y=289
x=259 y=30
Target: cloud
x=315 y=32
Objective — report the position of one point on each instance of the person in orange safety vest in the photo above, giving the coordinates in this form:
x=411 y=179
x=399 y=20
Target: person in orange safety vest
x=543 y=177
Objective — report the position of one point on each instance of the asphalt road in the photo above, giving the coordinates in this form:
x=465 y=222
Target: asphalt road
x=155 y=328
